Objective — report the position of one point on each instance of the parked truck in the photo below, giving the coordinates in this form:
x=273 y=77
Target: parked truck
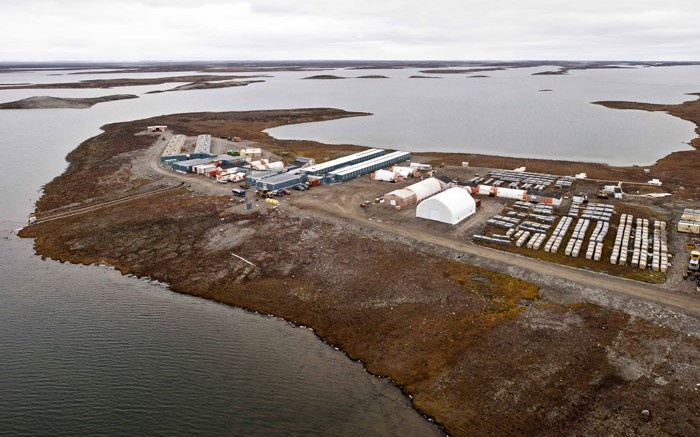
x=694 y=269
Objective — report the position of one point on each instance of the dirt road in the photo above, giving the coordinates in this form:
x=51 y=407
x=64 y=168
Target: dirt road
x=541 y=272
x=346 y=208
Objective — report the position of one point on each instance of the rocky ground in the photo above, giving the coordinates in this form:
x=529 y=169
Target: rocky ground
x=482 y=352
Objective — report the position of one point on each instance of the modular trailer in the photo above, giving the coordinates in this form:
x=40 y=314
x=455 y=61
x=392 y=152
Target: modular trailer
x=256 y=176
x=280 y=181
x=329 y=166
x=355 y=170
x=187 y=166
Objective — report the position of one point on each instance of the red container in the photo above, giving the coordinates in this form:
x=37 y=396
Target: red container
x=237 y=139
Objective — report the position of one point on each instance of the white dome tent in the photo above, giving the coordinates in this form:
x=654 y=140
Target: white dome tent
x=451 y=206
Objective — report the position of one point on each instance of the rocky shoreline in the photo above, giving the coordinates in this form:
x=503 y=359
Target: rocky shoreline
x=481 y=352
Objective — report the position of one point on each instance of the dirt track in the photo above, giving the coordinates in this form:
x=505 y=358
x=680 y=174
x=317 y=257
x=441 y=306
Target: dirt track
x=345 y=206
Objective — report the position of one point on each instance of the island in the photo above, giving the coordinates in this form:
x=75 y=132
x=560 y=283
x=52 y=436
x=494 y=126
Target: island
x=324 y=77
x=47 y=102
x=204 y=85
x=112 y=83
x=483 y=341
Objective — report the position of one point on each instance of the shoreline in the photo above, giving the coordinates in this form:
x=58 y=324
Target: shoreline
x=48 y=102
x=112 y=83
x=320 y=290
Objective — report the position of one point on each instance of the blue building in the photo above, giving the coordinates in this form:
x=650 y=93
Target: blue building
x=352 y=171
x=283 y=180
x=329 y=166
x=186 y=166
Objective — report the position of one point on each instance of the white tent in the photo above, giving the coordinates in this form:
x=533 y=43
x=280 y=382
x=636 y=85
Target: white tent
x=451 y=206
x=384 y=175
x=413 y=193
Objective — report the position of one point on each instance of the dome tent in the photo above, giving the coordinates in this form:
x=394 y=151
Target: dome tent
x=451 y=206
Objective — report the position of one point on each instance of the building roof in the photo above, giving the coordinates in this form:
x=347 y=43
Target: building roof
x=446 y=179
x=342 y=160
x=451 y=206
x=402 y=193
x=426 y=188
x=374 y=161
x=544 y=194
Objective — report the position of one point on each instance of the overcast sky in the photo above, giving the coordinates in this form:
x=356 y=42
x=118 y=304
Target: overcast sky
x=134 y=30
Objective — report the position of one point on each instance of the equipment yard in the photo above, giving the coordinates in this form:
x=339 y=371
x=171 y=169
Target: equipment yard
x=566 y=228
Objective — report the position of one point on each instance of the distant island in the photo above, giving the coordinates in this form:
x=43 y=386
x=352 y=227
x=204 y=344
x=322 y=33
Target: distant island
x=48 y=102
x=203 y=85
x=461 y=70
x=111 y=83
x=325 y=77
x=373 y=76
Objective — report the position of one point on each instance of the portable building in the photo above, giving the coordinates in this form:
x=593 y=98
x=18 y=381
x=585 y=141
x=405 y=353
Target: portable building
x=203 y=144
x=254 y=177
x=303 y=162
x=329 y=166
x=402 y=197
x=188 y=165
x=174 y=146
x=252 y=153
x=204 y=168
x=280 y=181
x=365 y=167
x=172 y=158
x=451 y=206
x=546 y=198
x=159 y=128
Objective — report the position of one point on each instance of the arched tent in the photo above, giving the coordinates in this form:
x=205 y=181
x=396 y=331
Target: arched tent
x=414 y=193
x=451 y=206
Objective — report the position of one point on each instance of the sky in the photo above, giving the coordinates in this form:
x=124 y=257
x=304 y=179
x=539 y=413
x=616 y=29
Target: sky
x=139 y=30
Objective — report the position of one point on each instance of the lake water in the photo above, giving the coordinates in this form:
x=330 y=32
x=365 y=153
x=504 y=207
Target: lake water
x=85 y=350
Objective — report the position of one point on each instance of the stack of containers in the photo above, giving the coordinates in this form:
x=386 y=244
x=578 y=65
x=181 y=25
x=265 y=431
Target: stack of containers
x=596 y=239
x=536 y=241
x=534 y=227
x=523 y=238
x=644 y=248
x=624 y=247
x=503 y=222
x=619 y=252
x=558 y=235
x=576 y=240
x=637 y=243
x=660 y=247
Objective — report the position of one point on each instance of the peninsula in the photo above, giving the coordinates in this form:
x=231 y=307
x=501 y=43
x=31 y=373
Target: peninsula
x=559 y=351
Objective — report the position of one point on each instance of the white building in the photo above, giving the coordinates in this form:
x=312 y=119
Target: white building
x=414 y=193
x=451 y=206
